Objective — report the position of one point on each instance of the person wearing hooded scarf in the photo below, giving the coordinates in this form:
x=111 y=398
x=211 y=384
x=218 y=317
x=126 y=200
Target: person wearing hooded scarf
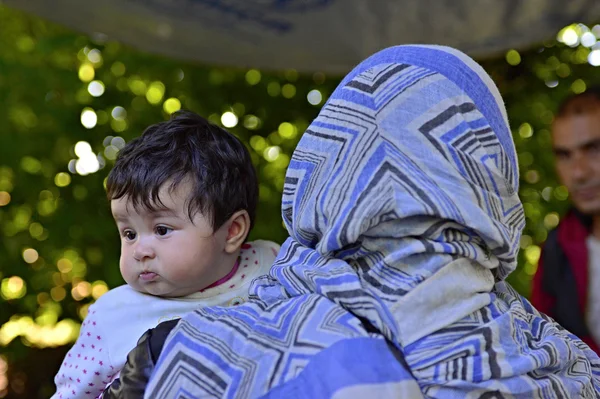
x=401 y=201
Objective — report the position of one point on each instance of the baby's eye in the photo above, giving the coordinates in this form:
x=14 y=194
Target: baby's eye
x=129 y=235
x=163 y=230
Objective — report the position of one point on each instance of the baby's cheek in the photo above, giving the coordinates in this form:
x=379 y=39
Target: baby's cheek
x=126 y=270
x=183 y=274
x=188 y=264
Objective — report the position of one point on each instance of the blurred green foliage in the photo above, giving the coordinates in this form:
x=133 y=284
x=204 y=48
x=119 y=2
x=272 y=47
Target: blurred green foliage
x=69 y=102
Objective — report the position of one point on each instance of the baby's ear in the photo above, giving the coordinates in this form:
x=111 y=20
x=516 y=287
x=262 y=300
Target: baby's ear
x=237 y=230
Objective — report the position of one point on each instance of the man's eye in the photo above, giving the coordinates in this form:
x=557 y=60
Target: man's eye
x=162 y=230
x=129 y=235
x=594 y=148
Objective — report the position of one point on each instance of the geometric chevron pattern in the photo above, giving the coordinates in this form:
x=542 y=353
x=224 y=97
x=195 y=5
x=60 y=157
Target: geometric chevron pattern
x=401 y=201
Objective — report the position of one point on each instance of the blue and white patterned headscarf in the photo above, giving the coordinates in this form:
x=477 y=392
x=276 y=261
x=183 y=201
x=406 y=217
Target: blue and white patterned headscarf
x=401 y=201
x=409 y=166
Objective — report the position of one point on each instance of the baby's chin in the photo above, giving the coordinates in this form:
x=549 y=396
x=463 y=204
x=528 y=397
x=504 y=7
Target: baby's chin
x=159 y=290
x=153 y=289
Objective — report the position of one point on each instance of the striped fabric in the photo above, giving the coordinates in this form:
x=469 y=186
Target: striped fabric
x=401 y=201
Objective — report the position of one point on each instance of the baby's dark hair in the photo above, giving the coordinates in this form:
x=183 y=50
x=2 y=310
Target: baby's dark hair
x=187 y=147
x=580 y=103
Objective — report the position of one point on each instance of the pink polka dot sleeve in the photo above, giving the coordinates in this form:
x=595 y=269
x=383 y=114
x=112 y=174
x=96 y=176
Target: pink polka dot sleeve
x=86 y=369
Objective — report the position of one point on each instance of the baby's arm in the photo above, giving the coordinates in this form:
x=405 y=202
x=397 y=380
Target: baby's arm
x=86 y=369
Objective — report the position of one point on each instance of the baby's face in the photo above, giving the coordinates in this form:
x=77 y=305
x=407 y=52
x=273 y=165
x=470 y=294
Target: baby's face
x=163 y=252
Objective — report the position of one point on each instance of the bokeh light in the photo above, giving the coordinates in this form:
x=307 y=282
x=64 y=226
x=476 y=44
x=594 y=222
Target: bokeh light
x=86 y=72
x=258 y=143
x=13 y=288
x=314 y=97
x=30 y=255
x=88 y=161
x=532 y=254
x=118 y=142
x=578 y=86
x=172 y=105
x=253 y=77
x=95 y=56
x=119 y=113
x=594 y=58
x=568 y=36
x=25 y=43
x=62 y=179
x=88 y=118
x=96 y=88
x=588 y=39
x=271 y=153
x=288 y=90
x=37 y=231
x=4 y=198
x=64 y=265
x=81 y=290
x=251 y=122
x=155 y=92
x=229 y=119
x=137 y=85
x=525 y=131
x=551 y=220
x=82 y=148
x=99 y=288
x=513 y=57
x=287 y=130
x=274 y=89
x=58 y=293
x=31 y=165
x=61 y=333
x=118 y=68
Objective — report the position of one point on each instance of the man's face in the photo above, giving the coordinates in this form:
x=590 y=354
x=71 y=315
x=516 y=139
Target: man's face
x=576 y=141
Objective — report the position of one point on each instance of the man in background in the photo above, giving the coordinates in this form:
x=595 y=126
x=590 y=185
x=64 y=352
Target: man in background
x=567 y=283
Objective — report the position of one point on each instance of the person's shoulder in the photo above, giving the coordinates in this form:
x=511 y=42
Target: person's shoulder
x=266 y=252
x=269 y=246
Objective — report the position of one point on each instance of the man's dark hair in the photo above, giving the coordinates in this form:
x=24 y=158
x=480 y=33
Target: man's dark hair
x=580 y=103
x=217 y=164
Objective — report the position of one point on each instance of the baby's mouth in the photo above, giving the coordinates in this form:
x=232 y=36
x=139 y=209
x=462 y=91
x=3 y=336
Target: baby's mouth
x=148 y=276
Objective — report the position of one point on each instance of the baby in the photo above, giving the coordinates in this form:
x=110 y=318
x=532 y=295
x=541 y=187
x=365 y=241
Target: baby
x=183 y=196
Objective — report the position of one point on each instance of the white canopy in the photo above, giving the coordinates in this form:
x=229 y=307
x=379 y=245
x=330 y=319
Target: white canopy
x=310 y=35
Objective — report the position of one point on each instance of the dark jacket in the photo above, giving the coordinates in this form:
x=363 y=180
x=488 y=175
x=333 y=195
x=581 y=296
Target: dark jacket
x=140 y=363
x=560 y=286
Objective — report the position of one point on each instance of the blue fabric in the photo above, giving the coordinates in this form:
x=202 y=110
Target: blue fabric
x=347 y=364
x=401 y=201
